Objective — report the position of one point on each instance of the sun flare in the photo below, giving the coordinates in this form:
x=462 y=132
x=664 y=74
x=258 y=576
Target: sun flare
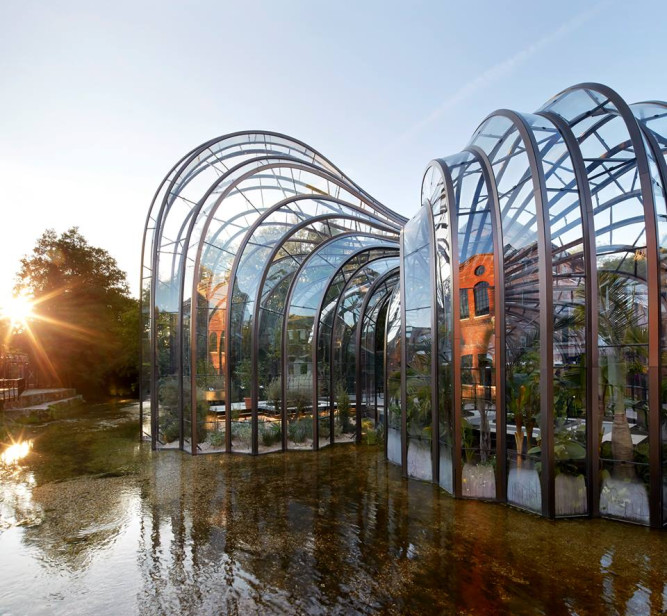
x=18 y=309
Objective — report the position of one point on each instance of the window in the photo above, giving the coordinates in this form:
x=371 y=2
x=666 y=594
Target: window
x=213 y=342
x=479 y=270
x=485 y=365
x=466 y=370
x=481 y=298
x=465 y=310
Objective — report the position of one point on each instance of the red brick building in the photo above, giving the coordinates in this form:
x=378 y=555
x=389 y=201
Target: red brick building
x=477 y=304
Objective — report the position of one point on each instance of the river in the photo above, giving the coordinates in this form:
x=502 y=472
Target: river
x=93 y=522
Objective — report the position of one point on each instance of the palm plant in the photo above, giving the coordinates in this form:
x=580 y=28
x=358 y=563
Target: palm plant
x=622 y=328
x=523 y=392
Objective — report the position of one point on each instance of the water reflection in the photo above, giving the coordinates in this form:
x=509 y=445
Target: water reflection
x=15 y=452
x=117 y=529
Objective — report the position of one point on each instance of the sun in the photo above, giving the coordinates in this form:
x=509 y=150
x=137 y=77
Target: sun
x=18 y=309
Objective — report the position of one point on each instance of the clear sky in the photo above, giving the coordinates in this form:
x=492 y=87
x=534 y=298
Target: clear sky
x=99 y=99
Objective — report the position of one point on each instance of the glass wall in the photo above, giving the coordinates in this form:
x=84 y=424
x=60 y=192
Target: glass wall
x=345 y=346
x=327 y=379
x=499 y=138
x=393 y=355
x=419 y=295
x=370 y=394
x=477 y=328
x=320 y=273
x=570 y=437
x=212 y=235
x=435 y=197
x=508 y=342
x=623 y=297
x=653 y=120
x=301 y=240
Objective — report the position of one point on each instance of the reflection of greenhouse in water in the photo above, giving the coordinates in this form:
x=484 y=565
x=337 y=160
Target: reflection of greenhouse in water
x=509 y=342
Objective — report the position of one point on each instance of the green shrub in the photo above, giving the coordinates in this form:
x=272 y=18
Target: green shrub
x=270 y=433
x=216 y=438
x=300 y=393
x=242 y=433
x=370 y=437
x=324 y=427
x=369 y=434
x=299 y=430
x=169 y=430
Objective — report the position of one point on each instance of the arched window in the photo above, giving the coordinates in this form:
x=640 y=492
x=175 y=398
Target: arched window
x=213 y=342
x=481 y=298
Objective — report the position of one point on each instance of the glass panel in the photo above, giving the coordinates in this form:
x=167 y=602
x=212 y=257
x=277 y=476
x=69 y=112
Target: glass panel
x=505 y=149
x=328 y=379
x=393 y=375
x=622 y=299
x=653 y=118
x=344 y=354
x=307 y=296
x=477 y=281
x=168 y=394
x=419 y=297
x=569 y=342
x=435 y=196
x=371 y=356
x=147 y=359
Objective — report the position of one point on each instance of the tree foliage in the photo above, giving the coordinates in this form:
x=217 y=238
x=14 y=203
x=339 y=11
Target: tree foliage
x=86 y=334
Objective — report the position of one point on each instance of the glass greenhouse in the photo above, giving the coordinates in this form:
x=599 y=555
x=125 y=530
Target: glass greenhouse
x=508 y=342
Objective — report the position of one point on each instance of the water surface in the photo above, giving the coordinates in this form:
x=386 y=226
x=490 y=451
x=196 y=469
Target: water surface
x=93 y=522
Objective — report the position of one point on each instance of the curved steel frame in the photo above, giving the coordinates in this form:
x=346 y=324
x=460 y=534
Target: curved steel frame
x=249 y=166
x=373 y=289
x=346 y=287
x=315 y=332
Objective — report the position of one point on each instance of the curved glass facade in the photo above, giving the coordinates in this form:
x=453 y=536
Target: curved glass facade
x=508 y=343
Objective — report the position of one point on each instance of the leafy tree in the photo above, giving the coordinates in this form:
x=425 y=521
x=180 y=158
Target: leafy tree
x=86 y=331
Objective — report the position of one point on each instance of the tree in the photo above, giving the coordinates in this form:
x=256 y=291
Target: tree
x=86 y=331
x=623 y=329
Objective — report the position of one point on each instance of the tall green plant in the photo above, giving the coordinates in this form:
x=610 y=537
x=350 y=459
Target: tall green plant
x=244 y=371
x=300 y=393
x=620 y=325
x=523 y=393
x=274 y=393
x=169 y=418
x=343 y=402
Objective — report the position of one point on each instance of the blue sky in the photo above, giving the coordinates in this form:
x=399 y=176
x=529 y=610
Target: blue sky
x=99 y=99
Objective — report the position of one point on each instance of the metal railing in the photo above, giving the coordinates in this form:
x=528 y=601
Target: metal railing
x=14 y=372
